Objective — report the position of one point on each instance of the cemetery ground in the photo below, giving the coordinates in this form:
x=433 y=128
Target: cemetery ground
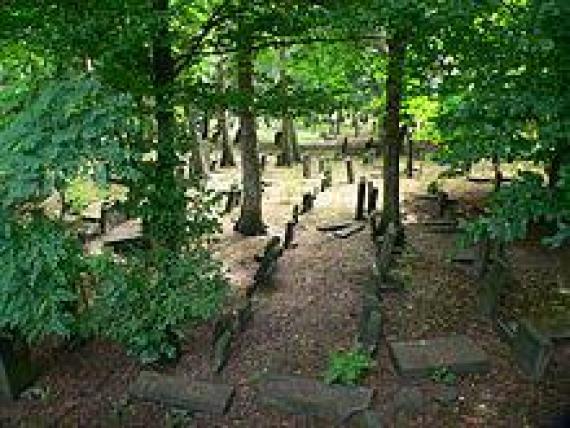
x=312 y=307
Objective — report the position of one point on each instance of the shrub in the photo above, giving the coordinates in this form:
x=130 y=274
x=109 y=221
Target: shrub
x=347 y=367
x=146 y=303
x=42 y=266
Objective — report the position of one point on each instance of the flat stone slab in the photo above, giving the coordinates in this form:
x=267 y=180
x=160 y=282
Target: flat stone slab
x=303 y=396
x=176 y=391
x=333 y=227
x=466 y=255
x=419 y=358
x=349 y=231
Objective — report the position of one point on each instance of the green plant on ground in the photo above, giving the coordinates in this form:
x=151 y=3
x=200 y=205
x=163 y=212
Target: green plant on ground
x=81 y=193
x=443 y=375
x=348 y=367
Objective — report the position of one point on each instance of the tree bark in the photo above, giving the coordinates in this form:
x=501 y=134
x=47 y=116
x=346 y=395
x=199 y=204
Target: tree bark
x=163 y=222
x=227 y=152
x=391 y=152
x=250 y=222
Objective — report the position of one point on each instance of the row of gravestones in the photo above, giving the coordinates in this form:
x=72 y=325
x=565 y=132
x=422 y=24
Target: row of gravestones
x=532 y=348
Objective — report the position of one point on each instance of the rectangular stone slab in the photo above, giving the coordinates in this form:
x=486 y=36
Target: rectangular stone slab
x=333 y=227
x=303 y=396
x=178 y=392
x=349 y=231
x=419 y=358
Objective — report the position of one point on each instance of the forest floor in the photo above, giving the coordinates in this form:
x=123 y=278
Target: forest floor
x=313 y=311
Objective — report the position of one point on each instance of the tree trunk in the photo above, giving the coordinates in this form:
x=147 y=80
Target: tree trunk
x=250 y=222
x=227 y=152
x=166 y=218
x=394 y=85
x=199 y=162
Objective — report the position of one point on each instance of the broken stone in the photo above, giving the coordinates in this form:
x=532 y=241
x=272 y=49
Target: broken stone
x=302 y=396
x=419 y=358
x=176 y=391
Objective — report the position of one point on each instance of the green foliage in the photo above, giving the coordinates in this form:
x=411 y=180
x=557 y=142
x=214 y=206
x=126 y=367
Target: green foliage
x=348 y=367
x=443 y=375
x=146 y=302
x=513 y=208
x=67 y=129
x=42 y=265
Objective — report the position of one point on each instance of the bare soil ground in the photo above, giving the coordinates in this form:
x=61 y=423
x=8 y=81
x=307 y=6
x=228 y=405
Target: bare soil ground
x=312 y=311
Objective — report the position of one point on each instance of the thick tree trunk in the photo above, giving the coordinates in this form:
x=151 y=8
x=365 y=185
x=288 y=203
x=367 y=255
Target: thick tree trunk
x=199 y=163
x=250 y=222
x=394 y=84
x=227 y=152
x=163 y=222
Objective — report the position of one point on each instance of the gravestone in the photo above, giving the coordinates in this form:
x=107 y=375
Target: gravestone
x=360 y=199
x=372 y=197
x=289 y=234
x=344 y=149
x=302 y=396
x=532 y=350
x=334 y=226
x=296 y=214
x=348 y=231
x=307 y=167
x=328 y=178
x=16 y=369
x=321 y=165
x=420 y=358
x=308 y=199
x=178 y=392
x=268 y=263
x=349 y=171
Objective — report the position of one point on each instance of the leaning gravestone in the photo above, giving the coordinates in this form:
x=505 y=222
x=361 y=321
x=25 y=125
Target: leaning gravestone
x=532 y=350
x=175 y=391
x=302 y=396
x=419 y=358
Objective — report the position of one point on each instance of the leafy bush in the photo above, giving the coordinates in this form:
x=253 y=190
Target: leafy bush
x=146 y=302
x=42 y=267
x=347 y=367
x=526 y=200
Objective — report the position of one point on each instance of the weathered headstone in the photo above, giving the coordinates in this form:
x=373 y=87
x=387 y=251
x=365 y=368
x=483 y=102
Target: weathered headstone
x=296 y=214
x=307 y=167
x=420 y=358
x=302 y=396
x=360 y=199
x=344 y=149
x=289 y=234
x=176 y=391
x=532 y=350
x=268 y=263
x=308 y=199
x=321 y=165
x=348 y=231
x=372 y=197
x=328 y=178
x=349 y=171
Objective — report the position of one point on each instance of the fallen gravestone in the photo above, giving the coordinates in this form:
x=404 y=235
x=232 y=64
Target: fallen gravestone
x=348 y=231
x=532 y=350
x=420 y=358
x=176 y=391
x=334 y=226
x=302 y=396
